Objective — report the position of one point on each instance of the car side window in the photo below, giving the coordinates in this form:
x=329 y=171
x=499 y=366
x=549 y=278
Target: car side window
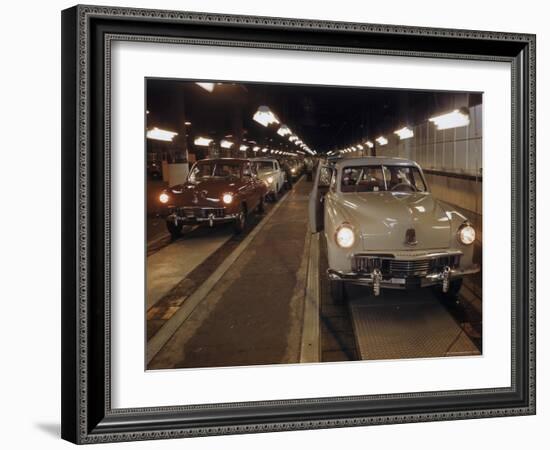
x=325 y=177
x=333 y=181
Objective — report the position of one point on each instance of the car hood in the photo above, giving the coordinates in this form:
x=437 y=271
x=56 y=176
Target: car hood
x=384 y=218
x=204 y=192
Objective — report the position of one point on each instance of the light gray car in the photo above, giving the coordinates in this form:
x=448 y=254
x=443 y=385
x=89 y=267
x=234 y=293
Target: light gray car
x=384 y=229
x=271 y=173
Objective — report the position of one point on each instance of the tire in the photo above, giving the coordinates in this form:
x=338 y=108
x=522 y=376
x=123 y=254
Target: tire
x=337 y=291
x=240 y=222
x=260 y=209
x=275 y=195
x=174 y=230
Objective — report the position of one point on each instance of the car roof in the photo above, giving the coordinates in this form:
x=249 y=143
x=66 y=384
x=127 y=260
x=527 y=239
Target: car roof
x=264 y=159
x=375 y=161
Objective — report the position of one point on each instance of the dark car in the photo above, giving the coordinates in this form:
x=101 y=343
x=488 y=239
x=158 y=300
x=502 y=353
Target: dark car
x=295 y=169
x=154 y=170
x=309 y=165
x=216 y=191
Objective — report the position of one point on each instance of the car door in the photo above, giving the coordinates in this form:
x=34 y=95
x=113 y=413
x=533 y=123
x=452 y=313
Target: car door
x=316 y=204
x=278 y=175
x=258 y=184
x=248 y=190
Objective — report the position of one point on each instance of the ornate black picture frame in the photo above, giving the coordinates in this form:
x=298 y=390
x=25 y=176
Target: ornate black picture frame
x=87 y=33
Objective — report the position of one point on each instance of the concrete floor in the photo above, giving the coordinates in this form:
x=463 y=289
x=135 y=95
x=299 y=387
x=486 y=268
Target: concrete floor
x=166 y=267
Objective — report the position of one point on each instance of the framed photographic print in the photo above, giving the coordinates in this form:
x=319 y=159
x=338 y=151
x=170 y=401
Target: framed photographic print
x=281 y=224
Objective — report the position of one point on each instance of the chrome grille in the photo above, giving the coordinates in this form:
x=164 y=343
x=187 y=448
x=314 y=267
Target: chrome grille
x=200 y=212
x=415 y=267
x=388 y=265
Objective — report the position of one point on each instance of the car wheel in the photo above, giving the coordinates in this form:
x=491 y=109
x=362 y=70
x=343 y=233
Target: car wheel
x=261 y=206
x=338 y=291
x=240 y=222
x=275 y=195
x=174 y=230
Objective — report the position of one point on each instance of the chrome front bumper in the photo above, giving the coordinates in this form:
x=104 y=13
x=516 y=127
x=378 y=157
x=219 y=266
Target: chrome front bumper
x=205 y=216
x=377 y=281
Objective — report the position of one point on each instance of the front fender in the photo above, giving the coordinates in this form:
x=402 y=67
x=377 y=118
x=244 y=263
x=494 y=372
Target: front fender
x=457 y=219
x=335 y=215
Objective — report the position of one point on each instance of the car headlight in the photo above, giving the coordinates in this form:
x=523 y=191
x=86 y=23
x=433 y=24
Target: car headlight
x=227 y=198
x=345 y=236
x=270 y=180
x=466 y=234
x=164 y=197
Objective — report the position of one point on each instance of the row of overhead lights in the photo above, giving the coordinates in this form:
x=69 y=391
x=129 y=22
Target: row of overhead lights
x=260 y=117
x=227 y=144
x=167 y=136
x=453 y=119
x=264 y=116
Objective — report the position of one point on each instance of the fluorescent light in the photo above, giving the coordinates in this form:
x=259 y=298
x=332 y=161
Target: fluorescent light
x=226 y=144
x=369 y=144
x=161 y=135
x=453 y=119
x=292 y=138
x=404 y=133
x=382 y=140
x=264 y=150
x=255 y=148
x=283 y=131
x=206 y=86
x=187 y=123
x=359 y=146
x=265 y=116
x=243 y=148
x=202 y=141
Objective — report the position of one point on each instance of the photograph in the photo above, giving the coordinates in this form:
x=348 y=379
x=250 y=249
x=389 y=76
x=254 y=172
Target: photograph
x=302 y=223
x=276 y=222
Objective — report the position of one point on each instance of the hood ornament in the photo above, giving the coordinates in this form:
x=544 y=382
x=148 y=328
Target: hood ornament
x=410 y=237
x=196 y=194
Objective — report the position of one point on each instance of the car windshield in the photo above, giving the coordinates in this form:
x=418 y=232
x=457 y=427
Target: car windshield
x=382 y=178
x=264 y=166
x=206 y=170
